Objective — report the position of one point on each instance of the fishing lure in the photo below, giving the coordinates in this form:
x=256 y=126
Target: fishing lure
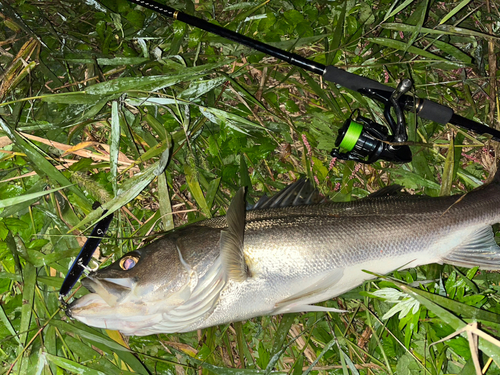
x=82 y=260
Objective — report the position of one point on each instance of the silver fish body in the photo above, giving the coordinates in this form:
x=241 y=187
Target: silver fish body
x=282 y=260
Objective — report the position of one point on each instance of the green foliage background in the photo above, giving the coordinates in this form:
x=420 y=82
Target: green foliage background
x=96 y=97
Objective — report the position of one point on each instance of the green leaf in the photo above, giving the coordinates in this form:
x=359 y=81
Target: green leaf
x=439 y=30
x=136 y=19
x=165 y=205
x=282 y=332
x=151 y=83
x=232 y=120
x=466 y=311
x=454 y=52
x=339 y=28
x=90 y=334
x=420 y=14
x=244 y=176
x=115 y=61
x=393 y=11
x=77 y=368
x=455 y=10
x=448 y=177
x=213 y=187
x=327 y=347
x=201 y=87
x=402 y=46
x=29 y=281
x=78 y=97
x=31 y=198
x=195 y=189
x=116 y=116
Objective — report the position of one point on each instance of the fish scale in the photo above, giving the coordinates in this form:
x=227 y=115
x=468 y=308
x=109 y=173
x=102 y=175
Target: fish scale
x=285 y=259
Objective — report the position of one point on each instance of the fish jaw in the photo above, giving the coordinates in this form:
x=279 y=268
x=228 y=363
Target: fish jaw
x=111 y=291
x=113 y=304
x=130 y=318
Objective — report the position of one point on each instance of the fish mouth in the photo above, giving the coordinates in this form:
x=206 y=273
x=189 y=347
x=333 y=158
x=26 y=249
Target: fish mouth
x=112 y=290
x=104 y=294
x=85 y=305
x=110 y=305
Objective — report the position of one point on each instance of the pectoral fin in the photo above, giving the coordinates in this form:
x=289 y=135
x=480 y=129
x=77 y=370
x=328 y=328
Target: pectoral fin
x=299 y=301
x=231 y=240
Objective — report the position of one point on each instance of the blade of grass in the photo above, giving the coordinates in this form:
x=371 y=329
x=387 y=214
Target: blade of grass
x=115 y=145
x=377 y=339
x=339 y=30
x=195 y=189
x=213 y=187
x=77 y=368
x=447 y=178
x=440 y=30
x=102 y=342
x=402 y=46
x=327 y=347
x=241 y=343
x=151 y=83
x=392 y=12
x=165 y=205
x=453 y=51
x=29 y=280
x=421 y=14
x=455 y=10
x=282 y=332
x=32 y=198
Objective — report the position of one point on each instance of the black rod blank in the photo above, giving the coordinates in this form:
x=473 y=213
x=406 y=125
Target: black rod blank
x=424 y=108
x=289 y=57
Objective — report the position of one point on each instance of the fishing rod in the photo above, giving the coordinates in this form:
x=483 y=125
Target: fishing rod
x=359 y=139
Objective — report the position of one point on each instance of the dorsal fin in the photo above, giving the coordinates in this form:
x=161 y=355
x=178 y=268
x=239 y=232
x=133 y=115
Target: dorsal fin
x=299 y=193
x=231 y=239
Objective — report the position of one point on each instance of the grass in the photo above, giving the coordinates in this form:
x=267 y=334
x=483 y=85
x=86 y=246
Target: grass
x=94 y=94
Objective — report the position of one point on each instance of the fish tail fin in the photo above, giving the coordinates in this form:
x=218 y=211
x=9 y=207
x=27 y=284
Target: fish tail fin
x=480 y=249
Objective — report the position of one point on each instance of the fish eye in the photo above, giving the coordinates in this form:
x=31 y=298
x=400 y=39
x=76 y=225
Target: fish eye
x=128 y=262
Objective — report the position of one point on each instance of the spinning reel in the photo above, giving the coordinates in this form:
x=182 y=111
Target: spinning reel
x=366 y=141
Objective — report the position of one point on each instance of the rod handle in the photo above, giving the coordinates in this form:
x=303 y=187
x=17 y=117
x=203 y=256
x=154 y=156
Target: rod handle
x=433 y=111
x=353 y=81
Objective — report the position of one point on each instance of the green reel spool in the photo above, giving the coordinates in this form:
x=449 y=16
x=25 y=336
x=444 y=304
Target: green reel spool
x=351 y=136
